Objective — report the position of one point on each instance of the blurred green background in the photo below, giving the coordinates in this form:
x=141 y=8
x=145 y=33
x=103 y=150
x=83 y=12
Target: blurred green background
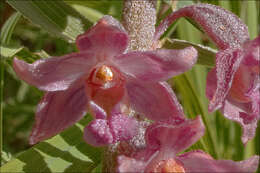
x=20 y=99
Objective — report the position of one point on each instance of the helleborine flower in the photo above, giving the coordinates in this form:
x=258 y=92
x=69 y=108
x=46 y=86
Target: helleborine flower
x=101 y=78
x=233 y=85
x=165 y=141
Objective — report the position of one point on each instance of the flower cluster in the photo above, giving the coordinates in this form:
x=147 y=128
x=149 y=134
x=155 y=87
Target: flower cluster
x=103 y=78
x=233 y=85
x=115 y=84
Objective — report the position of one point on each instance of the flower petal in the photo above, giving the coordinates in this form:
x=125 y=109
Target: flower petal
x=122 y=127
x=227 y=63
x=198 y=161
x=118 y=127
x=56 y=73
x=171 y=139
x=247 y=121
x=157 y=65
x=127 y=164
x=106 y=38
x=222 y=26
x=252 y=52
x=97 y=133
x=156 y=101
x=57 y=111
x=97 y=111
x=211 y=83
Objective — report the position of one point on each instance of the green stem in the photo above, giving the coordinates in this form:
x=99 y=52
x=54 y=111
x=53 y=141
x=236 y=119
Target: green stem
x=1 y=101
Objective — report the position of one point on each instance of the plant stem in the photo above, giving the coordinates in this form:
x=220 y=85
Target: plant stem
x=139 y=19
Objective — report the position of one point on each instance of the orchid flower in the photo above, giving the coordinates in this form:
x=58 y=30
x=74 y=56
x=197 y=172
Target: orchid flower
x=233 y=85
x=102 y=78
x=165 y=141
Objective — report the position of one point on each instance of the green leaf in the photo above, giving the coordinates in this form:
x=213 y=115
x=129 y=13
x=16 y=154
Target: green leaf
x=66 y=152
x=56 y=17
x=206 y=55
x=9 y=51
x=23 y=53
x=108 y=7
x=8 y=28
x=6 y=33
x=92 y=14
x=252 y=19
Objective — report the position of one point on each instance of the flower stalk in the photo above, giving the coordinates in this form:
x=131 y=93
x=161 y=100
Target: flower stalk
x=139 y=18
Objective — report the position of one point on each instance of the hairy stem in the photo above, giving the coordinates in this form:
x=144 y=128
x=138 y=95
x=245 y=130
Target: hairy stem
x=139 y=18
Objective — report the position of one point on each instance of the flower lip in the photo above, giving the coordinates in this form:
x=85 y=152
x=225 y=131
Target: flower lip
x=170 y=165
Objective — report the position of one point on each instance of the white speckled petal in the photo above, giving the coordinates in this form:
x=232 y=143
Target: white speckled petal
x=222 y=26
x=227 y=63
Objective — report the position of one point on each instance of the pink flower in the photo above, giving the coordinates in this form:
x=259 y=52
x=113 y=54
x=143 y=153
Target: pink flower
x=103 y=78
x=233 y=85
x=165 y=141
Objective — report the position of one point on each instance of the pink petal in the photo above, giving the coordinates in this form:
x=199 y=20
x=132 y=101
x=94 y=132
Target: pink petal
x=156 y=101
x=56 y=73
x=118 y=127
x=157 y=65
x=198 y=161
x=123 y=127
x=127 y=164
x=170 y=139
x=247 y=121
x=97 y=111
x=57 y=111
x=106 y=38
x=222 y=26
x=211 y=83
x=252 y=52
x=98 y=133
x=227 y=63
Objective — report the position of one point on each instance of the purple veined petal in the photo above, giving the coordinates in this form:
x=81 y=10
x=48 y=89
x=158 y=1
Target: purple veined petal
x=98 y=133
x=156 y=101
x=222 y=26
x=127 y=164
x=57 y=111
x=227 y=63
x=247 y=121
x=157 y=65
x=170 y=139
x=56 y=73
x=122 y=127
x=198 y=161
x=106 y=38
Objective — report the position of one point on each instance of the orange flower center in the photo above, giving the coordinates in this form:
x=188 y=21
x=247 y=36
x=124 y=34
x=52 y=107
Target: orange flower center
x=105 y=86
x=169 y=166
x=103 y=75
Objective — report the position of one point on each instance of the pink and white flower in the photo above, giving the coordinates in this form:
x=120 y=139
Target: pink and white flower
x=233 y=85
x=102 y=78
x=165 y=141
